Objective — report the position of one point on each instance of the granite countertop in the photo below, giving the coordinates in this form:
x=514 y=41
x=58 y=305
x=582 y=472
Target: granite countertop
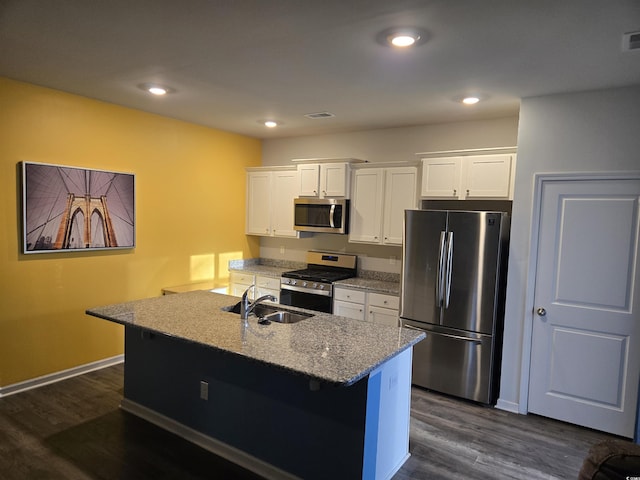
x=267 y=270
x=366 y=280
x=326 y=347
x=370 y=285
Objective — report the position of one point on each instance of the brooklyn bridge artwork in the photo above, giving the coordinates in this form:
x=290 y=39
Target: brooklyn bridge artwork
x=71 y=209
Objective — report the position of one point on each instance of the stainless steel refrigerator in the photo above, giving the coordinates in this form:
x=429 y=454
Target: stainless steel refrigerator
x=453 y=282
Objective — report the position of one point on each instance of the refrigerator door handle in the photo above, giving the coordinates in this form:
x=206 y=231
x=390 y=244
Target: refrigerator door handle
x=447 y=292
x=441 y=269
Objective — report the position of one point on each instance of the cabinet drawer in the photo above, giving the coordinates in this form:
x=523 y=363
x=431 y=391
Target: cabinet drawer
x=242 y=278
x=268 y=282
x=347 y=295
x=384 y=301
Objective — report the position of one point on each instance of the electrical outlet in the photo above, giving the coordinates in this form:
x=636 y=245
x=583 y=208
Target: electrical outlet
x=204 y=390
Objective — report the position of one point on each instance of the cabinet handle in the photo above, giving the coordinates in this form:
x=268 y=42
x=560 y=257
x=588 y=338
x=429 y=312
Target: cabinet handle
x=324 y=192
x=455 y=192
x=467 y=191
x=385 y=302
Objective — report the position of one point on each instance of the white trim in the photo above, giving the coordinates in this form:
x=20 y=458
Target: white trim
x=539 y=180
x=507 y=406
x=217 y=447
x=58 y=376
x=470 y=151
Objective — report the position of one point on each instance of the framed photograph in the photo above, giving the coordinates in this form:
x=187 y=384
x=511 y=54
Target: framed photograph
x=76 y=209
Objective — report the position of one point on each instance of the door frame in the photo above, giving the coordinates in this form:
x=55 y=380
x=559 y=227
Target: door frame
x=540 y=180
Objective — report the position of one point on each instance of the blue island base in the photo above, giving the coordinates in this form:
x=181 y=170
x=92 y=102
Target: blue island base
x=274 y=422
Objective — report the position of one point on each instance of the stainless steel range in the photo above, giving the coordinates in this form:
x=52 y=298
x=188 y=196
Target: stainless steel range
x=312 y=287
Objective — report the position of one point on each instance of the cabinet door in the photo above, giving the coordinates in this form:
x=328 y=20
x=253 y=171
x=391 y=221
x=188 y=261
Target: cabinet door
x=488 y=176
x=441 y=177
x=266 y=291
x=399 y=195
x=285 y=189
x=309 y=179
x=366 y=206
x=333 y=180
x=348 y=309
x=239 y=282
x=258 y=203
x=383 y=316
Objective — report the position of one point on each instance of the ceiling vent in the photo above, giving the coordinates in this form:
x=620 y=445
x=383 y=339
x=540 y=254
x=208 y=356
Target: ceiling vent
x=320 y=115
x=631 y=42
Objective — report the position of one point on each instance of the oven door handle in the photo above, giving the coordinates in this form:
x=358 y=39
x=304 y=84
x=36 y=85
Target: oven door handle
x=324 y=293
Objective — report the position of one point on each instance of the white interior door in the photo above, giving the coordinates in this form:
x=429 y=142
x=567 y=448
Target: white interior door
x=585 y=360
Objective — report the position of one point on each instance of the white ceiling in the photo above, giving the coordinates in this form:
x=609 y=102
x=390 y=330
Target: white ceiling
x=234 y=62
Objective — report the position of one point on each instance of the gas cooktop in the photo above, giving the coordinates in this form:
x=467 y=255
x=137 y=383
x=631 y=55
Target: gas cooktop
x=326 y=267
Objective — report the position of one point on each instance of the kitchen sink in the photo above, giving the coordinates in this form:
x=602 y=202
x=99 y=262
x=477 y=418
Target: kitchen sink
x=271 y=313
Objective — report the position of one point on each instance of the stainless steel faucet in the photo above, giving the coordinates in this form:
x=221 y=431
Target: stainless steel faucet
x=246 y=308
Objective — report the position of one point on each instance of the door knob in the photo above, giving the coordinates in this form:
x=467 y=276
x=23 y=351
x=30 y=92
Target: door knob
x=541 y=312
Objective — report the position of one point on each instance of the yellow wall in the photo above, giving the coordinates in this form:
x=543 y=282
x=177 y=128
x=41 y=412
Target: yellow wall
x=190 y=202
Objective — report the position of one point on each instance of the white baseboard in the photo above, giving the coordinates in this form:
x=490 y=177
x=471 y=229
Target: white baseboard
x=61 y=375
x=508 y=406
x=217 y=447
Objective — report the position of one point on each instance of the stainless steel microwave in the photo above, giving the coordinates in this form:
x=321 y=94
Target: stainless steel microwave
x=324 y=215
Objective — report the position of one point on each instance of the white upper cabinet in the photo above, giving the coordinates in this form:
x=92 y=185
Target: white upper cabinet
x=379 y=198
x=468 y=177
x=488 y=176
x=441 y=177
x=259 y=203
x=324 y=180
x=366 y=206
x=400 y=194
x=309 y=180
x=270 y=195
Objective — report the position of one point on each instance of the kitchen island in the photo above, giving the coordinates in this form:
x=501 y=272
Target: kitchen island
x=327 y=397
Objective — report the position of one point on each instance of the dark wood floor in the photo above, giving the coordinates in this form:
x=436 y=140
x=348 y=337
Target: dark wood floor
x=74 y=430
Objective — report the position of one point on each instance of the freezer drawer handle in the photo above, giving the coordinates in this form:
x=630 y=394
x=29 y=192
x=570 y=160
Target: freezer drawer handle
x=415 y=328
x=458 y=337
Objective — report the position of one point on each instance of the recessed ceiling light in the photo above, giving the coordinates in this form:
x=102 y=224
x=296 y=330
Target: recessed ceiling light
x=470 y=100
x=402 y=37
x=156 y=89
x=269 y=123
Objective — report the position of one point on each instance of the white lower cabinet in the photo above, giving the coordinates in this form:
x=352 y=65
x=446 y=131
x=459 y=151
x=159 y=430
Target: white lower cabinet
x=383 y=309
x=239 y=282
x=268 y=286
x=264 y=285
x=370 y=306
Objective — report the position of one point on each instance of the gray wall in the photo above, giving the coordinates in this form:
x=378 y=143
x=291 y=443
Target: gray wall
x=580 y=132
x=383 y=145
x=393 y=144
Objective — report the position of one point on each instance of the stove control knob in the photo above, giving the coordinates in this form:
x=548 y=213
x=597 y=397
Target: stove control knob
x=321 y=287
x=304 y=284
x=315 y=285
x=293 y=282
